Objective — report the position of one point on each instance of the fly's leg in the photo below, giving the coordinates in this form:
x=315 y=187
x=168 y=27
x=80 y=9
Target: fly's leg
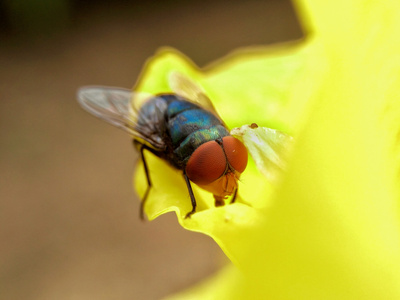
x=146 y=170
x=219 y=201
x=234 y=196
x=192 y=198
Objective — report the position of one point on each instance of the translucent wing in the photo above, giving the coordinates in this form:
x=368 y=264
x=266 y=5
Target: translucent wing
x=115 y=106
x=268 y=147
x=185 y=87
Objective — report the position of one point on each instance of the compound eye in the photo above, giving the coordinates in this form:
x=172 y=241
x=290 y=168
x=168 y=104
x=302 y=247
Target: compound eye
x=206 y=164
x=236 y=153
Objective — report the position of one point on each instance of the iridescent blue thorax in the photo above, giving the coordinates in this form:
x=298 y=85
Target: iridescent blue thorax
x=182 y=125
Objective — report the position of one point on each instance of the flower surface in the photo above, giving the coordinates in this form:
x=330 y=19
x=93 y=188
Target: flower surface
x=329 y=228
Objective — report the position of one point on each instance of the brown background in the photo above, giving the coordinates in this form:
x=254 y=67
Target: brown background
x=69 y=226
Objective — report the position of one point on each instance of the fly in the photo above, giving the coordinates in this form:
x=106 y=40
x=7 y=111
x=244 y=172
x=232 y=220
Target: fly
x=182 y=128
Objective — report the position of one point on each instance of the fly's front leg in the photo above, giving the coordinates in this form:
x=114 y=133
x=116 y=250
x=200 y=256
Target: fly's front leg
x=146 y=170
x=220 y=201
x=234 y=196
x=192 y=198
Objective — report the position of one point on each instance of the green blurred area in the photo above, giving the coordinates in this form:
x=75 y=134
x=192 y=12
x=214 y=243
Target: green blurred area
x=69 y=226
x=32 y=17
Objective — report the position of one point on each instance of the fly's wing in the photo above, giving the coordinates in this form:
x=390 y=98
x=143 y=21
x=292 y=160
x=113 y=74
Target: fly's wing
x=185 y=87
x=116 y=107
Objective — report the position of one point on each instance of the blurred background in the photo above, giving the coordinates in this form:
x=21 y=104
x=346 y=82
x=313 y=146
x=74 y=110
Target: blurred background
x=69 y=225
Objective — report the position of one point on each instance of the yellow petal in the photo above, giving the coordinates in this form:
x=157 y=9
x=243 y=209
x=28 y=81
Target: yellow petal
x=169 y=192
x=331 y=230
x=154 y=77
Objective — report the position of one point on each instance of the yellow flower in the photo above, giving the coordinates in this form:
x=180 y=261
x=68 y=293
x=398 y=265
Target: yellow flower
x=330 y=228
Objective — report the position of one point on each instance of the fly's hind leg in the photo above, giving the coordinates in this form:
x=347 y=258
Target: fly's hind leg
x=146 y=170
x=192 y=198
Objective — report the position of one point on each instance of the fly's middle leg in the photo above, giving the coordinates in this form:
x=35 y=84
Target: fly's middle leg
x=192 y=198
x=146 y=170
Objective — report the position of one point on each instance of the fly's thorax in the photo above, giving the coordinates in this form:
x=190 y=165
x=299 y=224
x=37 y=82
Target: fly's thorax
x=185 y=123
x=188 y=127
x=177 y=105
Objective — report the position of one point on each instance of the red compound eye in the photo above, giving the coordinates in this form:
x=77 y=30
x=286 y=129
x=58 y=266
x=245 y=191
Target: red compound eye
x=206 y=164
x=236 y=153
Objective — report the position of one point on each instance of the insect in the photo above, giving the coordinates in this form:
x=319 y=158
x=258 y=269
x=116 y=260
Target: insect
x=182 y=128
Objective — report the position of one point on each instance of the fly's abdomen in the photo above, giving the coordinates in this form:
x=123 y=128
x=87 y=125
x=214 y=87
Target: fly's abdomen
x=189 y=127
